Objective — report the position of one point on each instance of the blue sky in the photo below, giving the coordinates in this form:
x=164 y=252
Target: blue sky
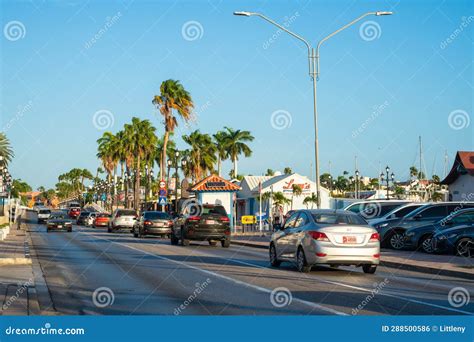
x=376 y=94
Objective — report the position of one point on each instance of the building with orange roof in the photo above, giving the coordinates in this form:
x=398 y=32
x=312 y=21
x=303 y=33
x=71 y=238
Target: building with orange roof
x=460 y=180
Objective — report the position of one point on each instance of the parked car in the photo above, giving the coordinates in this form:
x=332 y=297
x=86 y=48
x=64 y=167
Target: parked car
x=74 y=205
x=122 y=219
x=81 y=219
x=101 y=220
x=43 y=215
x=392 y=232
x=89 y=220
x=58 y=221
x=38 y=206
x=74 y=213
x=373 y=209
x=323 y=236
x=457 y=240
x=395 y=214
x=421 y=237
x=210 y=223
x=153 y=223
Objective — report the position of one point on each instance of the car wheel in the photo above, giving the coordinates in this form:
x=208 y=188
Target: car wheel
x=465 y=247
x=174 y=240
x=140 y=233
x=370 y=269
x=301 y=263
x=426 y=244
x=212 y=242
x=396 y=241
x=135 y=234
x=225 y=243
x=273 y=256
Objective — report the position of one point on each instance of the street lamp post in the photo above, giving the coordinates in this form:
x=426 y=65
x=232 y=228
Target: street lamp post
x=313 y=64
x=387 y=179
x=356 y=185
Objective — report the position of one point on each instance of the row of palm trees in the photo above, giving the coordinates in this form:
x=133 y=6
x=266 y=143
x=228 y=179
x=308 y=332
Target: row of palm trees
x=137 y=148
x=6 y=152
x=70 y=183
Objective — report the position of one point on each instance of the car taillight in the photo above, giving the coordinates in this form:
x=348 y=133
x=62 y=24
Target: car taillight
x=321 y=254
x=318 y=236
x=224 y=219
x=374 y=237
x=147 y=223
x=377 y=256
x=170 y=223
x=194 y=218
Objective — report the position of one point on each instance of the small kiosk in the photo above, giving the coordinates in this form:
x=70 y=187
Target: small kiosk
x=217 y=190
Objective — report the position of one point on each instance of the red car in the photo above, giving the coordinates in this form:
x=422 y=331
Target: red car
x=101 y=220
x=74 y=213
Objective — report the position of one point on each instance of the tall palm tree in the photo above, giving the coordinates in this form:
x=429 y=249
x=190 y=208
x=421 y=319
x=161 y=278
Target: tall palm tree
x=141 y=140
x=413 y=171
x=221 y=140
x=313 y=199
x=236 y=143
x=172 y=98
x=5 y=149
x=170 y=151
x=106 y=153
x=202 y=155
x=287 y=170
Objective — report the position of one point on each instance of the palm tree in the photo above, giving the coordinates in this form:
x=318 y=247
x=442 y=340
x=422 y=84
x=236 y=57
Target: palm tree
x=236 y=144
x=280 y=200
x=172 y=98
x=287 y=170
x=6 y=151
x=270 y=172
x=106 y=152
x=413 y=171
x=202 y=155
x=221 y=140
x=310 y=199
x=296 y=191
x=140 y=139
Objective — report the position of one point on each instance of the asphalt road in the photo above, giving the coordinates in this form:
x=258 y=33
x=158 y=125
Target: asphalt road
x=90 y=271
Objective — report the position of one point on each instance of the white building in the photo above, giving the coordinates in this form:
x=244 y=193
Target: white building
x=460 y=180
x=247 y=196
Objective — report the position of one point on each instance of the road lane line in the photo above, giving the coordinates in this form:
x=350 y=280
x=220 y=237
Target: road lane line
x=239 y=282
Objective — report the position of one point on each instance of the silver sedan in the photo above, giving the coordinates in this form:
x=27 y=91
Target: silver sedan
x=332 y=237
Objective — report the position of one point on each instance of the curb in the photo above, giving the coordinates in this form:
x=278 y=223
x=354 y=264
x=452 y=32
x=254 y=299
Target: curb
x=15 y=261
x=391 y=264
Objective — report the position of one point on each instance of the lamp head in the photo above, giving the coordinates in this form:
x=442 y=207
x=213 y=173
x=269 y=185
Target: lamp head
x=380 y=13
x=243 y=13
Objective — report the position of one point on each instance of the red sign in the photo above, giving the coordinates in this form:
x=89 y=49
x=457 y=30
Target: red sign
x=289 y=185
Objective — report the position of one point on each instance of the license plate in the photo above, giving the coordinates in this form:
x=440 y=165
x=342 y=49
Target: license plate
x=160 y=224
x=210 y=222
x=349 y=239
x=60 y=226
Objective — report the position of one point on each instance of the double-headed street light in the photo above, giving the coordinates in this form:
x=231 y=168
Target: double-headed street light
x=313 y=63
x=388 y=178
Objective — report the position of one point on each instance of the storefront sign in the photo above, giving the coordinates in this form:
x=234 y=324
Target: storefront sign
x=248 y=219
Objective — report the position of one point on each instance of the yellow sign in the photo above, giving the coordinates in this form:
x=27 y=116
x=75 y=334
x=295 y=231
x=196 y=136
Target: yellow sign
x=248 y=219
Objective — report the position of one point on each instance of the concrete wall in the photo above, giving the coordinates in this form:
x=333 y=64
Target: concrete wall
x=462 y=189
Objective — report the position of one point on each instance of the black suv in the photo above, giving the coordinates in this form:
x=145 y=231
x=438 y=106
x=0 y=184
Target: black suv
x=207 y=222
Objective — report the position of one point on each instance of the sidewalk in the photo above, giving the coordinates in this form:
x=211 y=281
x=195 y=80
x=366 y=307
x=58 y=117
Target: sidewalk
x=447 y=265
x=17 y=290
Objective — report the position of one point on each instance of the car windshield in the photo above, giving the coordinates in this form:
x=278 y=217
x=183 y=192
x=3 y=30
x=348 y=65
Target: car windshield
x=218 y=209
x=157 y=215
x=45 y=211
x=103 y=215
x=403 y=211
x=84 y=213
x=57 y=216
x=125 y=213
x=338 y=219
